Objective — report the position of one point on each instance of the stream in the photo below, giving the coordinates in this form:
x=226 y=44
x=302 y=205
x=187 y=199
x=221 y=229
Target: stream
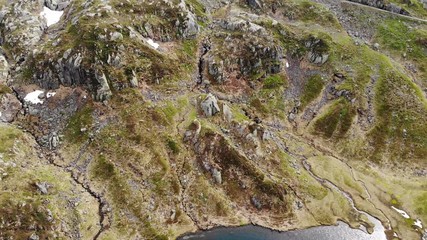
x=378 y=229
x=341 y=231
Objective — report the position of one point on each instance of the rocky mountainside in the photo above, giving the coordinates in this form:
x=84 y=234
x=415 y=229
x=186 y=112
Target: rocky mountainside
x=148 y=119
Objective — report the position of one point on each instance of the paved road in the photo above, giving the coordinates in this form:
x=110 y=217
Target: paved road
x=385 y=11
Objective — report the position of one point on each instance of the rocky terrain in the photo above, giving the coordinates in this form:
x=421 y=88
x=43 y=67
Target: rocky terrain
x=148 y=119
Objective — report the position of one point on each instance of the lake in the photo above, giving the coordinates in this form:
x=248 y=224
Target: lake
x=249 y=232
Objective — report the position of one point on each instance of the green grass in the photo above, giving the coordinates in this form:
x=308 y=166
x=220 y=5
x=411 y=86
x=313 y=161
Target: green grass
x=4 y=89
x=31 y=214
x=337 y=119
x=312 y=89
x=173 y=146
x=82 y=119
x=199 y=9
x=397 y=113
x=274 y=81
x=399 y=37
x=310 y=12
x=414 y=7
x=169 y=112
x=259 y=106
x=190 y=48
x=421 y=205
x=8 y=136
x=104 y=169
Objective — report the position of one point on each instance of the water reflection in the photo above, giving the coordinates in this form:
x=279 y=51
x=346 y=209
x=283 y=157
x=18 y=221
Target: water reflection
x=340 y=232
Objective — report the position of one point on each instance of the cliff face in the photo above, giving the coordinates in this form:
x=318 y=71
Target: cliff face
x=149 y=119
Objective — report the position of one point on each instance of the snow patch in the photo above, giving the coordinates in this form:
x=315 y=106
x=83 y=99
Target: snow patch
x=50 y=94
x=403 y=213
x=418 y=223
x=51 y=17
x=287 y=64
x=33 y=97
x=153 y=44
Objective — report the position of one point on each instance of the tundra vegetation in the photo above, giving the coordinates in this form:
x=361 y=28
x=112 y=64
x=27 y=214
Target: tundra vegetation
x=165 y=117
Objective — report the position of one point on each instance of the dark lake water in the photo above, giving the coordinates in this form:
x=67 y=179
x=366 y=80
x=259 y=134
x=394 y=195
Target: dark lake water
x=340 y=232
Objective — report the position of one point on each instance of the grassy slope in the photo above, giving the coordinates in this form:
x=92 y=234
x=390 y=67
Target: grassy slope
x=21 y=169
x=140 y=158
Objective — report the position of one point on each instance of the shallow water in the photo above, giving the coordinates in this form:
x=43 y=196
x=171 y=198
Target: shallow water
x=340 y=232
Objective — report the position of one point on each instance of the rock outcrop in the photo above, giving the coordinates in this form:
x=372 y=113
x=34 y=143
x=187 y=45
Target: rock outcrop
x=57 y=5
x=210 y=105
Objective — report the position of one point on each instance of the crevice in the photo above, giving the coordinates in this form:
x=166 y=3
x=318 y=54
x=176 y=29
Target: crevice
x=103 y=208
x=180 y=180
x=206 y=47
x=329 y=184
x=368 y=193
x=329 y=153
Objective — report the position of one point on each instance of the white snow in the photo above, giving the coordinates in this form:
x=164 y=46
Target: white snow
x=403 y=213
x=50 y=94
x=33 y=97
x=52 y=17
x=153 y=44
x=418 y=223
x=287 y=64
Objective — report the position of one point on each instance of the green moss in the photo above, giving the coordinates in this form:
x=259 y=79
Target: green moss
x=312 y=89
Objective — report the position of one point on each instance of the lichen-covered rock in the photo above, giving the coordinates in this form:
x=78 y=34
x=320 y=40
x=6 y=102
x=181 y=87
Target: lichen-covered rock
x=249 y=51
x=228 y=114
x=254 y=3
x=104 y=92
x=216 y=174
x=9 y=107
x=4 y=69
x=116 y=36
x=210 y=105
x=215 y=69
x=57 y=5
x=22 y=27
